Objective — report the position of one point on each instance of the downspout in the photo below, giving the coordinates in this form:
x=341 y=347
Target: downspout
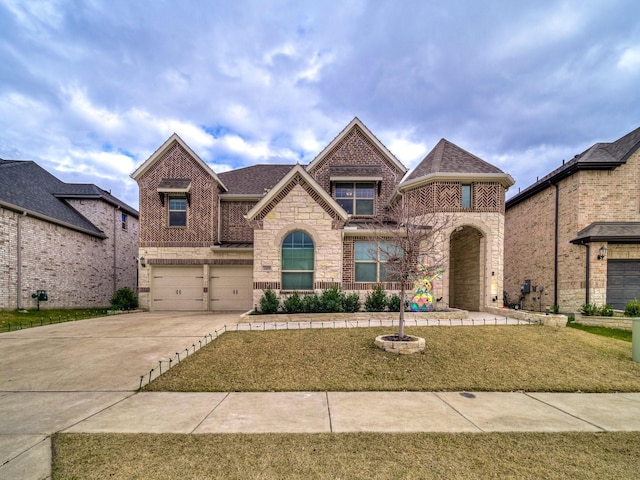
x=115 y=256
x=587 y=273
x=555 y=249
x=19 y=261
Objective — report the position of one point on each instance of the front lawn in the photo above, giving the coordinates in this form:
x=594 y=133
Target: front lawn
x=348 y=455
x=487 y=358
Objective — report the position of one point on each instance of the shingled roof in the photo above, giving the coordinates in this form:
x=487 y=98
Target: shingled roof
x=600 y=156
x=254 y=180
x=27 y=187
x=447 y=157
x=447 y=160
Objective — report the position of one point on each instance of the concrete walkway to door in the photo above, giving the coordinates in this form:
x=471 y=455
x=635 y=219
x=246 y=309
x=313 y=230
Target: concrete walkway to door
x=83 y=377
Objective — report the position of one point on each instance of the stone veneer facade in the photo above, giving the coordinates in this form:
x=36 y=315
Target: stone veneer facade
x=77 y=270
x=303 y=200
x=585 y=197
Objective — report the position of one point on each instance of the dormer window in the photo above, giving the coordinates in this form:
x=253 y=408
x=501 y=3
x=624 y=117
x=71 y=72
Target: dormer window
x=356 y=198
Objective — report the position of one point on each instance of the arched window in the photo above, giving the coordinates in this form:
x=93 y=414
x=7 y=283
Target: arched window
x=297 y=261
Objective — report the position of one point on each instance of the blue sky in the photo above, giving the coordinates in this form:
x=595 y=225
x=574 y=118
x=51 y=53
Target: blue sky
x=90 y=89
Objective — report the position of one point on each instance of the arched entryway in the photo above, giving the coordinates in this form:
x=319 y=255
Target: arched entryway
x=465 y=268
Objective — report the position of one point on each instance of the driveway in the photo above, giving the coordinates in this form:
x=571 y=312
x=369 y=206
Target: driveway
x=54 y=376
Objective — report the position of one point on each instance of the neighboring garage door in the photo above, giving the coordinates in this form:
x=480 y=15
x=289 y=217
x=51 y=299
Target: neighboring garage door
x=623 y=282
x=231 y=288
x=176 y=288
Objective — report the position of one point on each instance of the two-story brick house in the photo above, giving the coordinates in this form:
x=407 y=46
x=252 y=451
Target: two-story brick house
x=576 y=231
x=215 y=241
x=77 y=242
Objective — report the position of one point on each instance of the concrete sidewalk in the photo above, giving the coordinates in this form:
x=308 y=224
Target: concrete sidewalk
x=83 y=376
x=339 y=412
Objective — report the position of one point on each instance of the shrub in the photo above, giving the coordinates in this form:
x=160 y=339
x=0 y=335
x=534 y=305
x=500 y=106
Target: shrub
x=293 y=304
x=351 y=303
x=311 y=303
x=589 y=309
x=632 y=309
x=393 y=303
x=376 y=300
x=269 y=302
x=331 y=300
x=606 y=310
x=124 y=299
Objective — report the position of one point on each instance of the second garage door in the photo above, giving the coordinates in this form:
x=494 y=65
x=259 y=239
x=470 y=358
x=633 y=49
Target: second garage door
x=177 y=288
x=623 y=282
x=231 y=288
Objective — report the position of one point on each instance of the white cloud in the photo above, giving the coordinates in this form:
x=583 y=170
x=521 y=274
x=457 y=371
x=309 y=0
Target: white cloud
x=630 y=59
x=82 y=106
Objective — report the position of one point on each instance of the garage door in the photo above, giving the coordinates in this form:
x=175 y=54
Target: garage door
x=231 y=288
x=623 y=282
x=176 y=288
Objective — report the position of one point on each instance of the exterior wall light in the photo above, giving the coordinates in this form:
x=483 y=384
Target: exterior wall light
x=602 y=252
x=143 y=262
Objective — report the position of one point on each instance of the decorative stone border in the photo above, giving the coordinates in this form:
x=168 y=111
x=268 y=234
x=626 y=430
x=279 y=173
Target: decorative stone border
x=400 y=347
x=353 y=317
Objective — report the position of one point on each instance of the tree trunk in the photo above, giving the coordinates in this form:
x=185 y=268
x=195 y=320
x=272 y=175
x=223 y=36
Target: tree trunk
x=401 y=318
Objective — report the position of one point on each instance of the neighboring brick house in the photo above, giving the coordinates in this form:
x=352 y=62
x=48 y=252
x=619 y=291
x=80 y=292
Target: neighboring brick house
x=576 y=231
x=76 y=241
x=215 y=241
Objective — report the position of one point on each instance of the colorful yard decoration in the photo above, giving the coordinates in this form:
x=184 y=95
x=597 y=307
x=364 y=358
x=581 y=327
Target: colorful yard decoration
x=422 y=301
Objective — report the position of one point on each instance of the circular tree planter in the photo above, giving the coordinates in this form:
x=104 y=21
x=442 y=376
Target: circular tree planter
x=405 y=346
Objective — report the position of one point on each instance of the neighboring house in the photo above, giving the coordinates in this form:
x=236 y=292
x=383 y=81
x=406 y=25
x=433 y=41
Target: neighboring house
x=76 y=241
x=214 y=241
x=573 y=237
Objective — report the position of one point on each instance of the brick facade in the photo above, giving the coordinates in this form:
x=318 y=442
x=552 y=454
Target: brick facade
x=357 y=150
x=77 y=270
x=304 y=199
x=202 y=213
x=583 y=197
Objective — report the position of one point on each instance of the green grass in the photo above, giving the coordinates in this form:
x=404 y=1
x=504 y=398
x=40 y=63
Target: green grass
x=616 y=333
x=491 y=358
x=348 y=456
x=457 y=358
x=11 y=320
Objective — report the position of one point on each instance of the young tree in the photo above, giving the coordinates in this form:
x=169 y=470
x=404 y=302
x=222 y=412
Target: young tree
x=410 y=236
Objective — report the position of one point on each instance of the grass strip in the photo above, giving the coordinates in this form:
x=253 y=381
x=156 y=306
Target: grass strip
x=353 y=456
x=616 y=333
x=491 y=358
x=11 y=320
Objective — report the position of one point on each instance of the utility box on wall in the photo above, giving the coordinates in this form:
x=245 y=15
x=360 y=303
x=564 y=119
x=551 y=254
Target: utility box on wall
x=526 y=286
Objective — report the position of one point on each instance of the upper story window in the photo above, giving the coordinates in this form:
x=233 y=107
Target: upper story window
x=297 y=261
x=178 y=211
x=466 y=196
x=356 y=197
x=124 y=221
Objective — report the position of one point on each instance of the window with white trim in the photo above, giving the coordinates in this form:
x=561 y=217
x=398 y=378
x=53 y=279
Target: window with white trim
x=177 y=211
x=297 y=261
x=356 y=197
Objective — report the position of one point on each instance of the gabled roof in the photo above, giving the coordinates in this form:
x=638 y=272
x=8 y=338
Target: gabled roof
x=173 y=139
x=357 y=124
x=272 y=197
x=447 y=161
x=600 y=156
x=27 y=187
x=611 y=232
x=255 y=180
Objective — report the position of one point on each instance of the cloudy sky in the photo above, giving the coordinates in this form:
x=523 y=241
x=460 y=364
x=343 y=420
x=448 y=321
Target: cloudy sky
x=90 y=88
